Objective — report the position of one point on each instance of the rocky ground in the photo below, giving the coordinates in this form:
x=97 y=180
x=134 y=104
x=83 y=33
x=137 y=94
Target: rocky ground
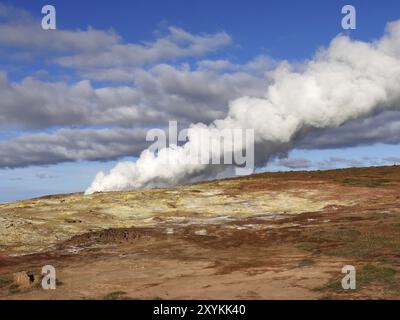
x=265 y=236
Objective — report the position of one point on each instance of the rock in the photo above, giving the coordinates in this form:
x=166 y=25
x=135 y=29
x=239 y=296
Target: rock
x=201 y=232
x=24 y=279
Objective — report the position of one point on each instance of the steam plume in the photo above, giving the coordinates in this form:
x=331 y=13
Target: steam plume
x=346 y=81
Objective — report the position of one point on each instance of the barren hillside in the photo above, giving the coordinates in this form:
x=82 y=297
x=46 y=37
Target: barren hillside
x=265 y=236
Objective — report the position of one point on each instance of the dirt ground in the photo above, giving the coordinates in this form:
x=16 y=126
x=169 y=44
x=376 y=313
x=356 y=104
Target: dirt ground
x=266 y=236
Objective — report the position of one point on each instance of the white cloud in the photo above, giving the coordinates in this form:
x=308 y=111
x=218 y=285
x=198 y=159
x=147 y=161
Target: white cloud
x=383 y=127
x=314 y=96
x=96 y=49
x=346 y=81
x=295 y=163
x=158 y=95
x=19 y=30
x=176 y=44
x=71 y=145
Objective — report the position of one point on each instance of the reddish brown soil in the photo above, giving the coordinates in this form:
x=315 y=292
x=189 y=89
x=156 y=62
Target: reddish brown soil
x=297 y=257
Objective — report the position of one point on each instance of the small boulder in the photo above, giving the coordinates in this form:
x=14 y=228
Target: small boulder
x=201 y=232
x=24 y=279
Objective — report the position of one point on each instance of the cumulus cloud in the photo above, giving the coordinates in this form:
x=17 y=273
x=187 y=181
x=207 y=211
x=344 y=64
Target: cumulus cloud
x=158 y=94
x=348 y=80
x=91 y=48
x=44 y=175
x=71 y=145
x=383 y=127
x=38 y=104
x=340 y=98
x=176 y=44
x=295 y=163
x=260 y=65
x=329 y=163
x=20 y=30
x=334 y=162
x=394 y=160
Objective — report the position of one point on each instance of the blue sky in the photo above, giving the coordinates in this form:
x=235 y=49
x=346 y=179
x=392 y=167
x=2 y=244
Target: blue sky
x=276 y=30
x=285 y=29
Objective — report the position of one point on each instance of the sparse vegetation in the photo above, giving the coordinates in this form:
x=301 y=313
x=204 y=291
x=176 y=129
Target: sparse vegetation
x=255 y=228
x=14 y=288
x=354 y=243
x=306 y=262
x=367 y=275
x=5 y=282
x=364 y=182
x=117 y=295
x=326 y=298
x=376 y=274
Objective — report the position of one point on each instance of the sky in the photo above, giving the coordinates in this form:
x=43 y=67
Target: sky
x=78 y=99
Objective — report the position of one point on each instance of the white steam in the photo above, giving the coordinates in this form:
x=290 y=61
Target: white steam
x=348 y=80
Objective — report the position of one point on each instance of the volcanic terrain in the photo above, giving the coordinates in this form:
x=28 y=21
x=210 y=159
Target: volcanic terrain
x=266 y=236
